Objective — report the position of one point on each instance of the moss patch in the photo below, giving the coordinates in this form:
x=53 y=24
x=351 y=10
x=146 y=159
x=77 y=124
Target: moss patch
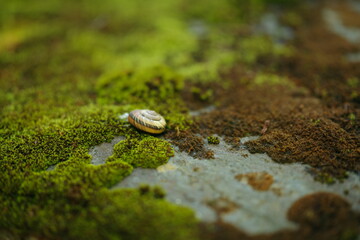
x=153 y=86
x=99 y=215
x=213 y=140
x=260 y=181
x=149 y=152
x=188 y=142
x=40 y=143
x=324 y=141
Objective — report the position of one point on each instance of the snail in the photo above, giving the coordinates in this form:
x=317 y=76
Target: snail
x=147 y=120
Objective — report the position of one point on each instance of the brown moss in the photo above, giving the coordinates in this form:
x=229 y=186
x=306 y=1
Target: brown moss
x=321 y=211
x=244 y=110
x=294 y=127
x=315 y=120
x=320 y=143
x=188 y=142
x=320 y=64
x=349 y=16
x=260 y=181
x=222 y=206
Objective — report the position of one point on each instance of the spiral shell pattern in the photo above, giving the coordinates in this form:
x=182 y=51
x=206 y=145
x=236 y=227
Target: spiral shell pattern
x=147 y=120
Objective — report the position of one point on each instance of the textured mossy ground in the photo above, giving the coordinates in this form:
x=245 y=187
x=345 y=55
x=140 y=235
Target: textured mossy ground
x=69 y=69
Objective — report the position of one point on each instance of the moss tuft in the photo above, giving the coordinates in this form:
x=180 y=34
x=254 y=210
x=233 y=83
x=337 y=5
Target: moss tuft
x=213 y=140
x=156 y=191
x=149 y=152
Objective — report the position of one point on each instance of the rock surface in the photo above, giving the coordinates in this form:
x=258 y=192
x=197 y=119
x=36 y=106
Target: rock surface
x=101 y=152
x=212 y=189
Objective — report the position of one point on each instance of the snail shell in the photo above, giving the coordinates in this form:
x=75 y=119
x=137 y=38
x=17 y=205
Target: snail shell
x=147 y=120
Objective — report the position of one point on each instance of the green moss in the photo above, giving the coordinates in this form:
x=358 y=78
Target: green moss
x=270 y=80
x=202 y=95
x=149 y=152
x=34 y=146
x=213 y=140
x=325 y=178
x=155 y=88
x=292 y=19
x=74 y=178
x=119 y=214
x=352 y=117
x=151 y=85
x=159 y=192
x=251 y=48
x=353 y=82
x=156 y=191
x=315 y=121
x=349 y=234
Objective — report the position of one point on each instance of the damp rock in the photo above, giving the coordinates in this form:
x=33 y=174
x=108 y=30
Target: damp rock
x=101 y=152
x=246 y=190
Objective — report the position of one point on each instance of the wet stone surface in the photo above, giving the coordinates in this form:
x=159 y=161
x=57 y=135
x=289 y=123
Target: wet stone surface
x=101 y=152
x=353 y=57
x=351 y=34
x=335 y=24
x=196 y=113
x=355 y=5
x=270 y=25
x=213 y=188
